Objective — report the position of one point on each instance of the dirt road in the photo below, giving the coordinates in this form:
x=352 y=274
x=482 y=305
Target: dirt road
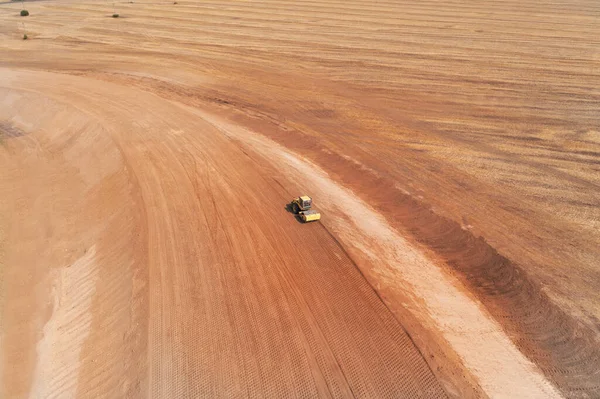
x=145 y=248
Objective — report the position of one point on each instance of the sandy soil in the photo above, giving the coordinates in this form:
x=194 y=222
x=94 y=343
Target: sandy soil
x=453 y=149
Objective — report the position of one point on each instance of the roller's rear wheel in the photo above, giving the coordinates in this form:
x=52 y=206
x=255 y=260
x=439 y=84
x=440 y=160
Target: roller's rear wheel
x=295 y=208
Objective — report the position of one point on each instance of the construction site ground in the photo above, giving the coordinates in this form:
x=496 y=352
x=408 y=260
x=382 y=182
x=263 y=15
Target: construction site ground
x=146 y=161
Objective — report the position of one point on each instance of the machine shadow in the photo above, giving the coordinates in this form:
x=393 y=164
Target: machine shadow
x=288 y=208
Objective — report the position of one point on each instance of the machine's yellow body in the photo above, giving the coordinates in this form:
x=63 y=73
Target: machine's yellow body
x=310 y=216
x=301 y=207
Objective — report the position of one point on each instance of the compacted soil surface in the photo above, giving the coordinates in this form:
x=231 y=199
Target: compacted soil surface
x=452 y=148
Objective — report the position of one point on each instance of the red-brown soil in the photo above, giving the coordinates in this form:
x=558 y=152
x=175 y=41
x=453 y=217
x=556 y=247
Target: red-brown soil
x=146 y=161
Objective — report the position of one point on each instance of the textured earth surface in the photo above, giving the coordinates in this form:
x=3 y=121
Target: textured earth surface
x=146 y=161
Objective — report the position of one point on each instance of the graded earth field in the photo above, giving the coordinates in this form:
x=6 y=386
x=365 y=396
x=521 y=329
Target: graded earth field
x=453 y=149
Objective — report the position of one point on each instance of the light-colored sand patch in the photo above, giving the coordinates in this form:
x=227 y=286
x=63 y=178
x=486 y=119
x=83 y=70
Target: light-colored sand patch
x=58 y=352
x=435 y=299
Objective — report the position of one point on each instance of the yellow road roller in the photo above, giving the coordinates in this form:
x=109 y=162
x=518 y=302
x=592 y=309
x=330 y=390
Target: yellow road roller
x=301 y=207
